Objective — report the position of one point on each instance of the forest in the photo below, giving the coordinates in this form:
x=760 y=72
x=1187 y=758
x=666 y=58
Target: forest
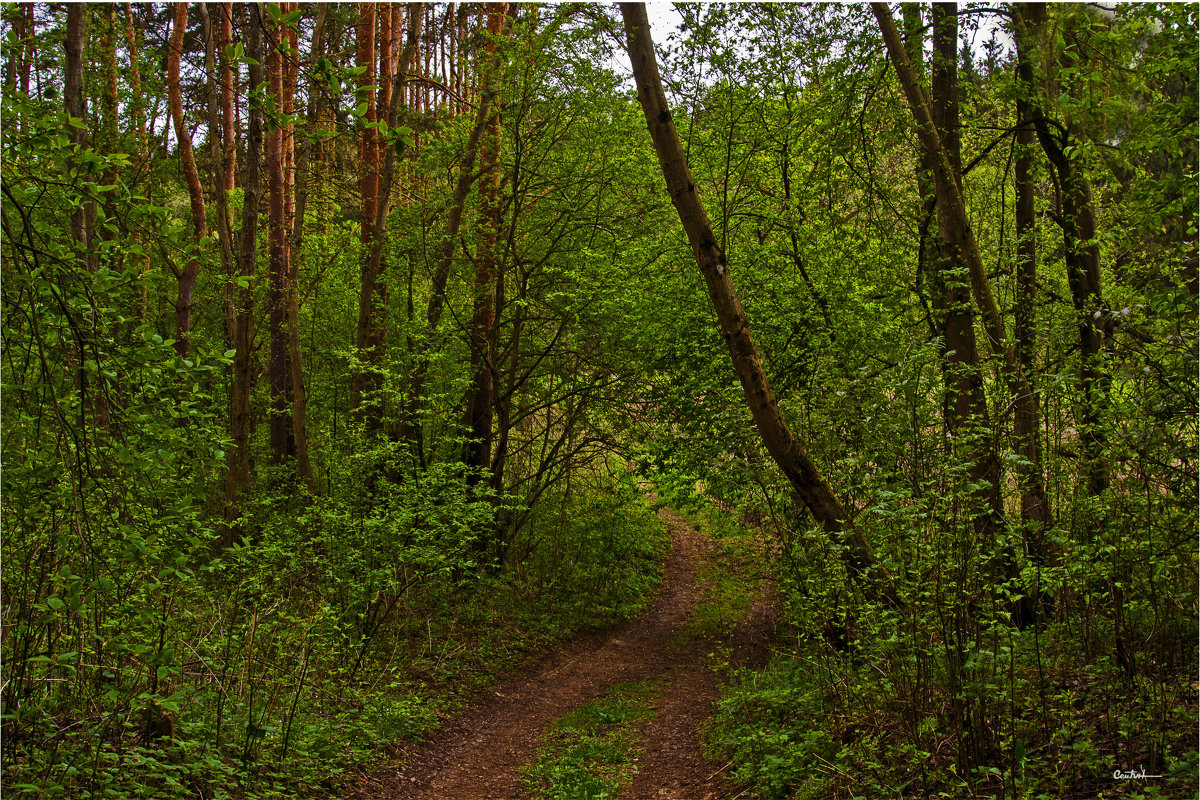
x=385 y=414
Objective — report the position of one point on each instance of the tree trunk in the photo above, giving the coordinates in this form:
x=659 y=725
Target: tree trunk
x=142 y=157
x=301 y=181
x=225 y=234
x=372 y=295
x=1082 y=254
x=787 y=451
x=1035 y=509
x=966 y=402
x=238 y=474
x=481 y=395
x=190 y=271
x=278 y=372
x=75 y=106
x=949 y=195
x=365 y=380
x=227 y=79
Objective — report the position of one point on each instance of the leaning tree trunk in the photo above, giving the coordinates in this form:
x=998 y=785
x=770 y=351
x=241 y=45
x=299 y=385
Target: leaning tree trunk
x=785 y=448
x=187 y=162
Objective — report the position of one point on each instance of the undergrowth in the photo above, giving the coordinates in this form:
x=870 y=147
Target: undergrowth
x=950 y=696
x=297 y=657
x=590 y=753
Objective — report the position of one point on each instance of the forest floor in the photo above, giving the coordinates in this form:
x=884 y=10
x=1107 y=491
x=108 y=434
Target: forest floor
x=480 y=754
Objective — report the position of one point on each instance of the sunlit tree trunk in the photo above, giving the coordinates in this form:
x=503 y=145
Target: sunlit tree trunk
x=788 y=452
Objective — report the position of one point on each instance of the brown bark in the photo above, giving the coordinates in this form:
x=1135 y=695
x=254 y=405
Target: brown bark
x=74 y=104
x=135 y=88
x=227 y=78
x=386 y=67
x=12 y=56
x=224 y=233
x=788 y=452
x=30 y=40
x=190 y=271
x=301 y=181
x=17 y=59
x=481 y=395
x=142 y=140
x=373 y=293
x=367 y=149
x=363 y=381
x=108 y=67
x=238 y=474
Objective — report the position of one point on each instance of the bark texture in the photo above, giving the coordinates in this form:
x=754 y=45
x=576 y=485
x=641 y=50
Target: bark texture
x=966 y=403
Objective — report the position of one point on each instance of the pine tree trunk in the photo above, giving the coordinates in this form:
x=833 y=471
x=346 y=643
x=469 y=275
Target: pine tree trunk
x=227 y=79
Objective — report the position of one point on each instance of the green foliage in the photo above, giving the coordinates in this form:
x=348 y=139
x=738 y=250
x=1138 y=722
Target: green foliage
x=589 y=754
x=600 y=557
x=142 y=658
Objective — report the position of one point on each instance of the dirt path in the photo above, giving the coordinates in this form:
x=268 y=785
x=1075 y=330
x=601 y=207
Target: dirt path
x=478 y=755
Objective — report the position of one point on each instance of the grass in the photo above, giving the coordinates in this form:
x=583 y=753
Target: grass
x=590 y=753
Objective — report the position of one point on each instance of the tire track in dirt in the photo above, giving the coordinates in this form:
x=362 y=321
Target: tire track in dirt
x=479 y=754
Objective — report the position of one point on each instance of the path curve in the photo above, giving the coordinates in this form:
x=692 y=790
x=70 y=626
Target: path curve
x=479 y=754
